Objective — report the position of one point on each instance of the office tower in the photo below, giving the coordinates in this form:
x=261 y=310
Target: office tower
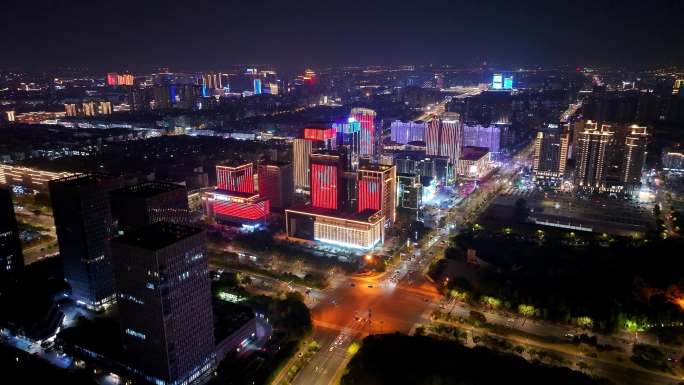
x=276 y=183
x=11 y=257
x=164 y=300
x=257 y=86
x=149 y=202
x=634 y=157
x=105 y=108
x=377 y=190
x=83 y=220
x=405 y=132
x=444 y=136
x=327 y=169
x=550 y=153
x=366 y=117
x=349 y=137
x=235 y=177
x=301 y=149
x=591 y=160
x=70 y=109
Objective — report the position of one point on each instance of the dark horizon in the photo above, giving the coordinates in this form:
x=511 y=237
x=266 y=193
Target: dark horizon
x=205 y=34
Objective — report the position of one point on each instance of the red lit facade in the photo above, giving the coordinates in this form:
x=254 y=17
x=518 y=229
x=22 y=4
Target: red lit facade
x=276 y=183
x=319 y=133
x=324 y=186
x=235 y=178
x=240 y=208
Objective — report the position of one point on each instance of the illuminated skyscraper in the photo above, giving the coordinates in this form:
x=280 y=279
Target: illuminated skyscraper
x=112 y=79
x=366 y=117
x=444 y=136
x=70 y=109
x=105 y=108
x=164 y=302
x=88 y=108
x=591 y=161
x=210 y=83
x=237 y=177
x=83 y=220
x=349 y=138
x=634 y=156
x=322 y=133
x=377 y=190
x=550 y=153
x=327 y=169
x=276 y=183
x=301 y=149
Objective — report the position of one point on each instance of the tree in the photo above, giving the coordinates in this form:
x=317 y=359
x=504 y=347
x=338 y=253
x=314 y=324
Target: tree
x=520 y=211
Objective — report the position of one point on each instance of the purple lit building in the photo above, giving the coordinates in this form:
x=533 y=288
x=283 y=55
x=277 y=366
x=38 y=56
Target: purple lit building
x=405 y=132
x=477 y=135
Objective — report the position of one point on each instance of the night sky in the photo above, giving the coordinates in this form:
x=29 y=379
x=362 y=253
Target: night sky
x=210 y=34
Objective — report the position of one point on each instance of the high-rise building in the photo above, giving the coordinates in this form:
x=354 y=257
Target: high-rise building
x=301 y=149
x=377 y=190
x=673 y=160
x=405 y=132
x=105 y=108
x=83 y=221
x=591 y=160
x=550 y=154
x=165 y=304
x=70 y=109
x=444 y=136
x=149 y=202
x=634 y=157
x=327 y=187
x=321 y=133
x=349 y=138
x=368 y=136
x=11 y=257
x=89 y=109
x=276 y=183
x=211 y=82
x=235 y=177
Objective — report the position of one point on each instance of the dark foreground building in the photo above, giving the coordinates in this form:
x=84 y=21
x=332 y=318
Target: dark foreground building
x=83 y=219
x=11 y=258
x=165 y=304
x=149 y=202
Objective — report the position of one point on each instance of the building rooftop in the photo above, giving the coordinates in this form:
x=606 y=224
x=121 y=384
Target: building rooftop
x=157 y=235
x=273 y=163
x=234 y=163
x=147 y=189
x=473 y=153
x=363 y=216
x=236 y=194
x=82 y=179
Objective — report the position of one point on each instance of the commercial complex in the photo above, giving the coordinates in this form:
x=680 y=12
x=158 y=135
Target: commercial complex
x=474 y=163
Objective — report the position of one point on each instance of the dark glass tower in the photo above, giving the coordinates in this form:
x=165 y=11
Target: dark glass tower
x=149 y=202
x=81 y=208
x=165 y=306
x=11 y=258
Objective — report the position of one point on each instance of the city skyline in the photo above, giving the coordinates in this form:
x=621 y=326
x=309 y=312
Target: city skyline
x=129 y=35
